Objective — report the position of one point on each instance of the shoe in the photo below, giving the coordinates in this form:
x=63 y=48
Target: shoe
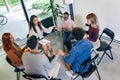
x=74 y=76
x=69 y=73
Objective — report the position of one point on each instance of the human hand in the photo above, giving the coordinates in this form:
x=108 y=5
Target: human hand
x=55 y=28
x=26 y=50
x=85 y=36
x=60 y=52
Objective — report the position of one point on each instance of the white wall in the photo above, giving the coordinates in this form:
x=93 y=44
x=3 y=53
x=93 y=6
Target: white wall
x=108 y=13
x=64 y=9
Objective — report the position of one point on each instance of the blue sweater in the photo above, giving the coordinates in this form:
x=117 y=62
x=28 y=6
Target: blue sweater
x=78 y=54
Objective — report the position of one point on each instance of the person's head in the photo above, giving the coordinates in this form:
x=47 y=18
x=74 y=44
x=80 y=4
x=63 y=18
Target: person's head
x=34 y=22
x=32 y=42
x=7 y=41
x=92 y=20
x=78 y=33
x=66 y=16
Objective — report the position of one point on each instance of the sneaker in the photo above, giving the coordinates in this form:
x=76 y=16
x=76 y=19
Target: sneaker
x=74 y=76
x=69 y=73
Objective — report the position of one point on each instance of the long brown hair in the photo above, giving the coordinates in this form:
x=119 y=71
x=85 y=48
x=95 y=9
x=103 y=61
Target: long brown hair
x=94 y=20
x=6 y=42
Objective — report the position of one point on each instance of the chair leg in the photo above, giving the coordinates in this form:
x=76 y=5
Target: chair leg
x=98 y=74
x=101 y=57
x=63 y=47
x=75 y=77
x=110 y=56
x=82 y=78
x=18 y=75
x=96 y=53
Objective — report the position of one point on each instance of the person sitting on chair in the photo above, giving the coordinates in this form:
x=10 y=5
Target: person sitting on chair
x=80 y=52
x=93 y=31
x=13 y=51
x=37 y=29
x=67 y=26
x=36 y=62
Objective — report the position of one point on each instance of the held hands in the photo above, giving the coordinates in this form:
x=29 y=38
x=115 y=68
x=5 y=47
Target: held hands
x=55 y=28
x=60 y=52
x=85 y=36
x=26 y=50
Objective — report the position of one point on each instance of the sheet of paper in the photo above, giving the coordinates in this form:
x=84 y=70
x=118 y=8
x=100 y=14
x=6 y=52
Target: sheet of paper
x=44 y=41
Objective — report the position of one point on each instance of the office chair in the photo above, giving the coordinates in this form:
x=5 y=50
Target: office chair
x=91 y=69
x=16 y=69
x=106 y=45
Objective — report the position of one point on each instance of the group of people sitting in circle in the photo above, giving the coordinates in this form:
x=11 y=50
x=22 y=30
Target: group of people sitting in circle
x=35 y=61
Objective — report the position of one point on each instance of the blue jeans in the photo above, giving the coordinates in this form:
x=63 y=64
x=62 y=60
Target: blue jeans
x=67 y=37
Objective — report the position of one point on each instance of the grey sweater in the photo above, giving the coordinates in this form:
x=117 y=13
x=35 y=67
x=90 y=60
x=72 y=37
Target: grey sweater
x=37 y=63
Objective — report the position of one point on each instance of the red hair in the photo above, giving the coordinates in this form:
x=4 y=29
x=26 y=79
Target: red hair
x=6 y=42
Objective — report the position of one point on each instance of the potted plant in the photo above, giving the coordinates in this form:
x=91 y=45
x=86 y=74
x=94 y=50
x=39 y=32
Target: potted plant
x=56 y=10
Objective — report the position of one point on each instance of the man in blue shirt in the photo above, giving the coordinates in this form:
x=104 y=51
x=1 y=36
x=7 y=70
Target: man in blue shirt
x=79 y=53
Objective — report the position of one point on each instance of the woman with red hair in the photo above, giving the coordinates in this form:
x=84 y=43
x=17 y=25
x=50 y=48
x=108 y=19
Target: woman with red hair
x=13 y=51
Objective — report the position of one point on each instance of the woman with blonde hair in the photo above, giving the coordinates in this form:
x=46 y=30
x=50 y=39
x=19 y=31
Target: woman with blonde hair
x=13 y=51
x=93 y=31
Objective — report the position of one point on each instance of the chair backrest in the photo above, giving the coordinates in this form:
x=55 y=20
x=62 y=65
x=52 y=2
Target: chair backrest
x=37 y=76
x=34 y=76
x=16 y=69
x=109 y=34
x=8 y=60
x=47 y=22
x=90 y=61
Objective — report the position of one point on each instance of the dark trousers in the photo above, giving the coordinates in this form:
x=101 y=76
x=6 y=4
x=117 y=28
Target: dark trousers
x=67 y=37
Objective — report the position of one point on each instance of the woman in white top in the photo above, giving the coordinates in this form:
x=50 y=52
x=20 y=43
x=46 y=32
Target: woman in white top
x=37 y=29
